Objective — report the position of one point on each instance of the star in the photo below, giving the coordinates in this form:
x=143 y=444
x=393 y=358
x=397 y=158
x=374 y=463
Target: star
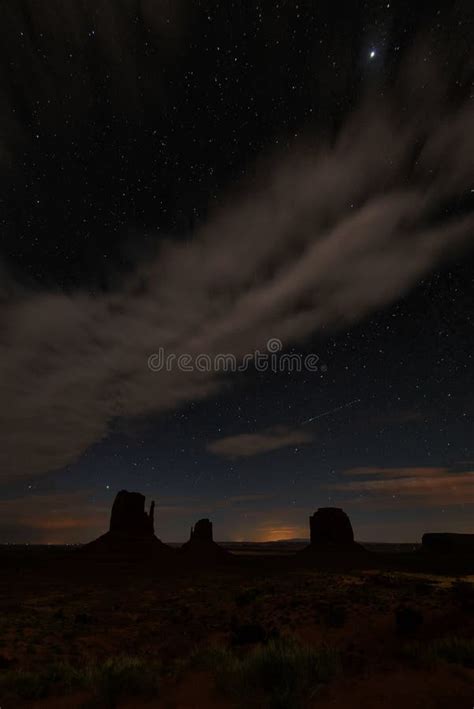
x=372 y=54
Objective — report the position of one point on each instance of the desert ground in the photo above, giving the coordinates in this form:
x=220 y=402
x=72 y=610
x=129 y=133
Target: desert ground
x=262 y=629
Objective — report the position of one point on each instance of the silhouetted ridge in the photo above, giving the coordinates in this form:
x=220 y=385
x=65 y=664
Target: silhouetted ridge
x=447 y=542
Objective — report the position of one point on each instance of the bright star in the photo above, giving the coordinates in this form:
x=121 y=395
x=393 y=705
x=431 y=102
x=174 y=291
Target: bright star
x=372 y=54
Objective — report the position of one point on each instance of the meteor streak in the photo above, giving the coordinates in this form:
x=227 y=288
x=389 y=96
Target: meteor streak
x=332 y=411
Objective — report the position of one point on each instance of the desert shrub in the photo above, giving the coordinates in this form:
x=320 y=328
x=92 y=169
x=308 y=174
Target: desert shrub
x=283 y=674
x=459 y=651
x=26 y=685
x=423 y=588
x=463 y=592
x=59 y=677
x=124 y=676
x=5 y=662
x=386 y=580
x=407 y=620
x=456 y=650
x=334 y=616
x=248 y=595
x=248 y=634
x=84 y=618
x=108 y=682
x=419 y=655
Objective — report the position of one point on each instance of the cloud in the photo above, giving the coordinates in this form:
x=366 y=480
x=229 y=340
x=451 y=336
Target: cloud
x=328 y=234
x=411 y=487
x=246 y=445
x=419 y=472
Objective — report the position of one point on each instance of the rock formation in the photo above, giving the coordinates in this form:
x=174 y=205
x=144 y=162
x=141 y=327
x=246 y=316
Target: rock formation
x=131 y=531
x=330 y=525
x=332 y=538
x=202 y=531
x=201 y=545
x=447 y=543
x=129 y=517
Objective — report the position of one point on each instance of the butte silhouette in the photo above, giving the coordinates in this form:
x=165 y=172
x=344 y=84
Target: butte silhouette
x=201 y=547
x=132 y=530
x=332 y=538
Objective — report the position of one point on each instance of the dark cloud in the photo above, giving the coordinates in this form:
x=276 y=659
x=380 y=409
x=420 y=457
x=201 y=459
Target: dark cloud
x=327 y=235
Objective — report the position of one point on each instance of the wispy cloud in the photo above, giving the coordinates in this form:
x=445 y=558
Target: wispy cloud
x=410 y=487
x=246 y=445
x=382 y=472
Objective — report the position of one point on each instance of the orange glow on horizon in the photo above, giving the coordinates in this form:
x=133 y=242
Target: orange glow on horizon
x=275 y=533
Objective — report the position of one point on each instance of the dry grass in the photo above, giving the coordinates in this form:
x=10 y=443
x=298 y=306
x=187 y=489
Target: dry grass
x=283 y=674
x=458 y=651
x=107 y=682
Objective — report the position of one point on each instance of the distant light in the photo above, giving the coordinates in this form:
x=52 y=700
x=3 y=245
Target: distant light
x=372 y=54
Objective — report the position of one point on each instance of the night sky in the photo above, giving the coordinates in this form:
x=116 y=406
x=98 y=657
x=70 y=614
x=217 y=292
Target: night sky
x=205 y=176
